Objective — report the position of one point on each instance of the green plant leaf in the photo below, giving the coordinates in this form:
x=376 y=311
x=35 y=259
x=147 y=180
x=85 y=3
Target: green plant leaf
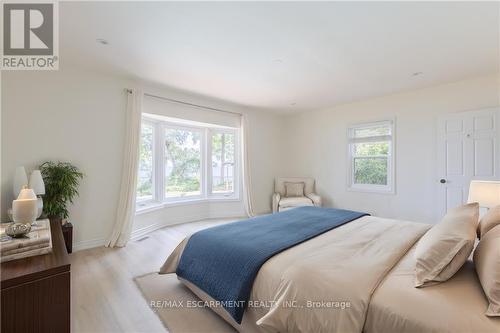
x=61 y=187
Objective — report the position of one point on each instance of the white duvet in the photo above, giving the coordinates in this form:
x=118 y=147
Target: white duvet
x=324 y=284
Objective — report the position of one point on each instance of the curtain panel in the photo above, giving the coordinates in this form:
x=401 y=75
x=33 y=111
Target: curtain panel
x=122 y=228
x=245 y=166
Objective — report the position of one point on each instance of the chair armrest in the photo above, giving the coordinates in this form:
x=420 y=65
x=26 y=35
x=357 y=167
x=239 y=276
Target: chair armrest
x=276 y=200
x=316 y=199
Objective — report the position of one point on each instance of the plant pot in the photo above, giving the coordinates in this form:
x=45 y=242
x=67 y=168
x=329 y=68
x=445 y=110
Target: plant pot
x=56 y=218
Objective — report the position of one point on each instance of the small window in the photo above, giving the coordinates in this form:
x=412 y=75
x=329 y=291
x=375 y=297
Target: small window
x=371 y=157
x=145 y=186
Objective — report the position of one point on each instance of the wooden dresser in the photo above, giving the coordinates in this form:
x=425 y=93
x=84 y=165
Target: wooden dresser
x=35 y=291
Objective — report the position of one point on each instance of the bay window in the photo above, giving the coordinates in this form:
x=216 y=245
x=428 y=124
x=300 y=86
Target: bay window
x=181 y=161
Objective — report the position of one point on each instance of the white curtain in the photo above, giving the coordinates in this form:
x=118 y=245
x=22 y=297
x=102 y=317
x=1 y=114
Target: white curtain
x=247 y=181
x=126 y=204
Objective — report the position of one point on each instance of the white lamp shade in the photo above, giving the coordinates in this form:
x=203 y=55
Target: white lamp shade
x=486 y=193
x=20 y=180
x=36 y=182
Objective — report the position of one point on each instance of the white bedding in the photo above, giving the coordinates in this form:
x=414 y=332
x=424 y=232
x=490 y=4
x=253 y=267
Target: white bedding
x=326 y=283
x=455 y=306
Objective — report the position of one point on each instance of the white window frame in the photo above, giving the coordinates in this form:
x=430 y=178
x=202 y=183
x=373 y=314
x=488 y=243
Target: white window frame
x=236 y=173
x=203 y=159
x=159 y=199
x=143 y=202
x=351 y=141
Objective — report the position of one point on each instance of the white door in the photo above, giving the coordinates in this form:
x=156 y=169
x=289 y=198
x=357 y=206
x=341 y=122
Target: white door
x=468 y=148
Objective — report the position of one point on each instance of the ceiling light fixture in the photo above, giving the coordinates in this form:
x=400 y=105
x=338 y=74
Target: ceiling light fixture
x=102 y=41
x=417 y=73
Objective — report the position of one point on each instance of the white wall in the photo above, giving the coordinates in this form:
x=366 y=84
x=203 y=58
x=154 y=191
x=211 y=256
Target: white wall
x=77 y=115
x=69 y=116
x=317 y=146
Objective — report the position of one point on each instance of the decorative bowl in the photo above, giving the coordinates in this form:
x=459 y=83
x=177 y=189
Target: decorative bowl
x=17 y=230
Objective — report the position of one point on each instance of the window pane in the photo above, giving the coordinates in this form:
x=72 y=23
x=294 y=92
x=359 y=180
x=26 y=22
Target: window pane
x=182 y=163
x=365 y=132
x=145 y=174
x=371 y=149
x=370 y=171
x=223 y=163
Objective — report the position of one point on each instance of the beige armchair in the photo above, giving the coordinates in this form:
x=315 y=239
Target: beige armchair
x=281 y=202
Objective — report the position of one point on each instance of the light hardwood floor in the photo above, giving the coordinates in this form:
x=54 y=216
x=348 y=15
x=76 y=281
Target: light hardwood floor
x=104 y=296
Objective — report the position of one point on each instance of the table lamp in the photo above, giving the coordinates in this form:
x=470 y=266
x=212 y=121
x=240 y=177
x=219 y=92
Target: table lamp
x=24 y=209
x=484 y=192
x=37 y=185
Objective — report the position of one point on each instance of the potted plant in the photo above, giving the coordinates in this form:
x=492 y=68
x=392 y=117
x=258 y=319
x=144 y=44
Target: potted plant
x=61 y=187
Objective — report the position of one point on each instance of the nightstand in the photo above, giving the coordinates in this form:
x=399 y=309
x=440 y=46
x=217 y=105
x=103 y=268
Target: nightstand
x=35 y=291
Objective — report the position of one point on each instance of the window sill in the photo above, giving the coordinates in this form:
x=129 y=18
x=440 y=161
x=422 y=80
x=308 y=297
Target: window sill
x=153 y=206
x=371 y=190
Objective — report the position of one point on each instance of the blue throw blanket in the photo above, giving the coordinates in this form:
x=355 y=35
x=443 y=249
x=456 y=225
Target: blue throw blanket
x=223 y=261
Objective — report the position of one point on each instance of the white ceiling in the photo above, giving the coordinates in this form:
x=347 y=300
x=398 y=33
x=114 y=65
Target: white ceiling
x=271 y=55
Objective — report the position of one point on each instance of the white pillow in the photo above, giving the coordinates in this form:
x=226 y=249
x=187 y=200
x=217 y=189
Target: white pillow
x=487 y=262
x=490 y=220
x=445 y=247
x=294 y=189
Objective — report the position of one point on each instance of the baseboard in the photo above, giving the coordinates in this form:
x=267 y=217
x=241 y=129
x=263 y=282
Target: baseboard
x=138 y=233
x=88 y=244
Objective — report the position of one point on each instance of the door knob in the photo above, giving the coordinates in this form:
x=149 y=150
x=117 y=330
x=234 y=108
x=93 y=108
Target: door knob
x=442 y=180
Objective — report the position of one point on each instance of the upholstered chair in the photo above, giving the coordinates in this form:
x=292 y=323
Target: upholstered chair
x=294 y=192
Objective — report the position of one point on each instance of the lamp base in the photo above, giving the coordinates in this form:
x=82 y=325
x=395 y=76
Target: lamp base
x=39 y=205
x=24 y=211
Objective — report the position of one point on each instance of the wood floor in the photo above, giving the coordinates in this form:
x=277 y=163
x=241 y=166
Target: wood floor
x=104 y=296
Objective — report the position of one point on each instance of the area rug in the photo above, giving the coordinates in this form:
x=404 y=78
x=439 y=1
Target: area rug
x=172 y=302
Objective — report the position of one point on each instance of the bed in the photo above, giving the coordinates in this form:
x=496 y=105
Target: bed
x=356 y=277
